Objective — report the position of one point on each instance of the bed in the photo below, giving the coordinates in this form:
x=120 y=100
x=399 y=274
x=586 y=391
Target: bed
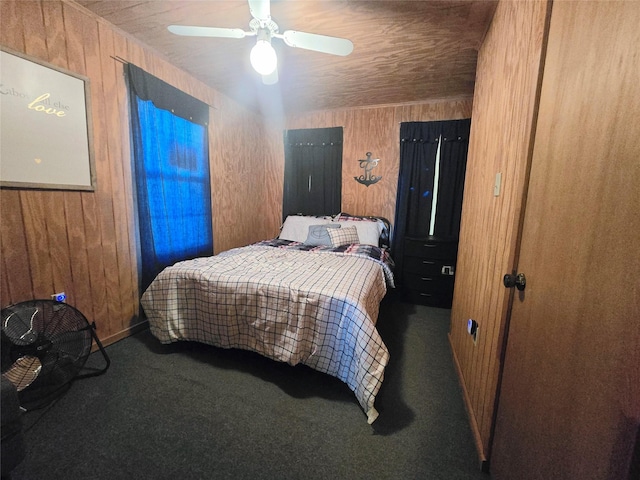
x=309 y=296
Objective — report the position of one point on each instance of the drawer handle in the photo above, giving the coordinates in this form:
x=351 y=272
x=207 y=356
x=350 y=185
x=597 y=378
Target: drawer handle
x=426 y=295
x=429 y=245
x=426 y=279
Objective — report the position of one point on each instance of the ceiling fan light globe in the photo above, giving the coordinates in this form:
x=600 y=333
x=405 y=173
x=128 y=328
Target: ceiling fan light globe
x=263 y=58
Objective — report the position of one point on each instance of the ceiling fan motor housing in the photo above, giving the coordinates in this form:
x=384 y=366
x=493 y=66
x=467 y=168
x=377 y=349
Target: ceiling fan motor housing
x=257 y=25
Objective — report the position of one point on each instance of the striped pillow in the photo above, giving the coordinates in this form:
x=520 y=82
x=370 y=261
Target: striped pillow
x=343 y=236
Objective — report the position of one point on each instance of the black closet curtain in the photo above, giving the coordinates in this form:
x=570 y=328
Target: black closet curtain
x=453 y=164
x=312 y=171
x=418 y=148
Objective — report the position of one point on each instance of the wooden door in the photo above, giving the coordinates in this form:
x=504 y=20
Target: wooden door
x=569 y=405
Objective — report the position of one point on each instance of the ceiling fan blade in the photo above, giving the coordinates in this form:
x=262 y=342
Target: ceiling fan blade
x=318 y=43
x=260 y=9
x=270 y=79
x=190 y=31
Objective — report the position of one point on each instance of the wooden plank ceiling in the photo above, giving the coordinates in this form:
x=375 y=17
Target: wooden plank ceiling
x=404 y=51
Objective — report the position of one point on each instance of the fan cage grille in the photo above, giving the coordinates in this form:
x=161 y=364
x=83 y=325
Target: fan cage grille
x=45 y=345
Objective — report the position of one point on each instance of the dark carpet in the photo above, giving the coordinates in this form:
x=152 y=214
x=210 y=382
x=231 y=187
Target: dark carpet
x=191 y=411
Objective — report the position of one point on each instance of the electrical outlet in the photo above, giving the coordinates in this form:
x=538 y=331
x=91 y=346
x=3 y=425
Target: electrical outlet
x=472 y=329
x=59 y=297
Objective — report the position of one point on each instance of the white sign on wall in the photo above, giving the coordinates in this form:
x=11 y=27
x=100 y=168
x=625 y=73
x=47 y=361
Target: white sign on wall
x=45 y=126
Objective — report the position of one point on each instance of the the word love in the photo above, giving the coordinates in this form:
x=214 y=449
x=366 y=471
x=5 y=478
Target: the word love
x=40 y=105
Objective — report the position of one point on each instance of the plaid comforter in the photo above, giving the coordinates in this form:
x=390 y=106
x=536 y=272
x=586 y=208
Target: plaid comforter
x=292 y=303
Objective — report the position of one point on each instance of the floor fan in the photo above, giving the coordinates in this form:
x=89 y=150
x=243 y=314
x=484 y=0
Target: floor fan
x=45 y=345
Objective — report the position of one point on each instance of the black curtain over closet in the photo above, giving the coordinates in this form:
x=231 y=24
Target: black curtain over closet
x=454 y=147
x=312 y=171
x=419 y=142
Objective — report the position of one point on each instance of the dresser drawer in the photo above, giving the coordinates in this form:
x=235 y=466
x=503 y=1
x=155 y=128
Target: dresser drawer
x=437 y=284
x=429 y=266
x=428 y=248
x=441 y=300
x=428 y=271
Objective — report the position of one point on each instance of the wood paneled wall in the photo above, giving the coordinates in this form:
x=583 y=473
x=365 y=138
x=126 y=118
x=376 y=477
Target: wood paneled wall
x=504 y=112
x=376 y=130
x=84 y=243
x=247 y=174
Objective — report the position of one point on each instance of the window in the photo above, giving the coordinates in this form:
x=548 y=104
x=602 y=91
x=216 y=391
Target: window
x=173 y=187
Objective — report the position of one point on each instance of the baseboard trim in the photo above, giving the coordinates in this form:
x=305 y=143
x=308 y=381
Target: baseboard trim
x=127 y=332
x=484 y=464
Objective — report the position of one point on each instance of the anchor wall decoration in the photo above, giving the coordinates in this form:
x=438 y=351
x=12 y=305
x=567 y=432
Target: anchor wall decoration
x=368 y=164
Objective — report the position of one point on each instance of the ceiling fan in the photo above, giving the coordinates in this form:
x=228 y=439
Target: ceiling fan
x=263 y=57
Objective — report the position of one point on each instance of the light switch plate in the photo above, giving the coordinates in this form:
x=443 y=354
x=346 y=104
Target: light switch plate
x=497 y=185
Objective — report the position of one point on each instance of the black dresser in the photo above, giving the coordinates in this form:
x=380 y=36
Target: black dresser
x=428 y=270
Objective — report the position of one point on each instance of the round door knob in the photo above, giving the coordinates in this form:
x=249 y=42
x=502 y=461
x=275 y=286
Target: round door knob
x=519 y=281
x=509 y=280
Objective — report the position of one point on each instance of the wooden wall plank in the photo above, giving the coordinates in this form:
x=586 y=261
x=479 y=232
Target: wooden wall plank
x=76 y=202
x=104 y=192
x=55 y=35
x=4 y=280
x=32 y=23
x=11 y=33
x=58 y=243
x=237 y=176
x=130 y=291
x=273 y=155
x=37 y=243
x=34 y=202
x=120 y=277
x=100 y=257
x=15 y=255
x=80 y=295
x=54 y=207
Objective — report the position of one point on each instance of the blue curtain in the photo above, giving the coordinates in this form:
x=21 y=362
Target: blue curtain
x=171 y=166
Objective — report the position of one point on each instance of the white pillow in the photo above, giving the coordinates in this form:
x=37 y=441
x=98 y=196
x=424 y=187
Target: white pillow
x=296 y=227
x=368 y=232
